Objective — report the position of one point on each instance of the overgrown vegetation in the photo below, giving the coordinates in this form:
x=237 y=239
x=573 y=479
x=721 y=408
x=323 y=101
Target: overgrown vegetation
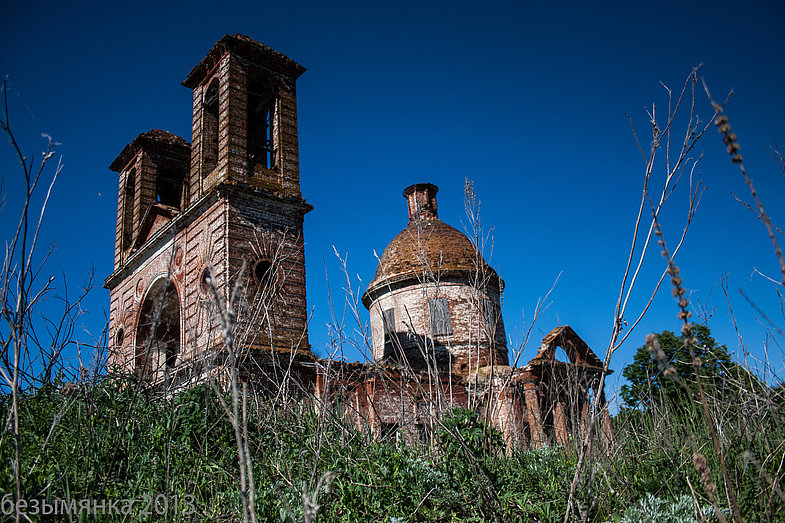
x=664 y=436
x=110 y=441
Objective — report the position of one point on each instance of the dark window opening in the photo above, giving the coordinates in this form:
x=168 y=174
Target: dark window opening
x=128 y=208
x=120 y=336
x=261 y=112
x=210 y=129
x=264 y=271
x=439 y=311
x=206 y=281
x=526 y=431
x=389 y=431
x=169 y=188
x=424 y=433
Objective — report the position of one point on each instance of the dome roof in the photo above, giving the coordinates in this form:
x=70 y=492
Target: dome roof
x=427 y=246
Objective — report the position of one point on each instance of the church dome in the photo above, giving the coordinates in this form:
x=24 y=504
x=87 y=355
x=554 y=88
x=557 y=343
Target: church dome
x=427 y=247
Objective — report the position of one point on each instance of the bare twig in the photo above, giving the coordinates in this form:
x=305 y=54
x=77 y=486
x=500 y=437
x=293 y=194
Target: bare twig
x=730 y=140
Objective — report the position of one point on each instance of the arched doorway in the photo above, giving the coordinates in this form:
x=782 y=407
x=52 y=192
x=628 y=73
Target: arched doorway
x=158 y=333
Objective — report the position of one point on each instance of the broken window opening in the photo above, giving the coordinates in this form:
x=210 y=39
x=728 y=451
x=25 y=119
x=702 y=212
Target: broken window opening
x=128 y=209
x=169 y=188
x=424 y=432
x=210 y=129
x=439 y=311
x=389 y=432
x=261 y=113
x=559 y=354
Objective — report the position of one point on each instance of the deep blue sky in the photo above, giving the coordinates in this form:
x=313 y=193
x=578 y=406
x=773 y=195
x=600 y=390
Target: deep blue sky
x=525 y=98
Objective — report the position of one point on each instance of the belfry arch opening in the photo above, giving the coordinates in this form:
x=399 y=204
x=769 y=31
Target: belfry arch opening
x=261 y=115
x=169 y=187
x=210 y=129
x=128 y=208
x=158 y=333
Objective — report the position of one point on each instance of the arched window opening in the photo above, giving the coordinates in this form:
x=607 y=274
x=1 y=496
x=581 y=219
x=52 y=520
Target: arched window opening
x=490 y=315
x=158 y=333
x=261 y=113
x=210 y=129
x=206 y=281
x=128 y=208
x=169 y=188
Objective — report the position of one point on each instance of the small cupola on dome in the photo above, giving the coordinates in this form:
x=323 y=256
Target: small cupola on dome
x=421 y=198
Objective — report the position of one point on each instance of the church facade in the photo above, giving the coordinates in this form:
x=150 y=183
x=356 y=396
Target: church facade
x=214 y=229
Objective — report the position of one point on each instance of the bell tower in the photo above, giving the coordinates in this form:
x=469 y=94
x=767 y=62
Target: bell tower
x=222 y=215
x=245 y=118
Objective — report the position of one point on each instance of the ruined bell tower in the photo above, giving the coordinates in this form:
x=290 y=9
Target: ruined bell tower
x=220 y=216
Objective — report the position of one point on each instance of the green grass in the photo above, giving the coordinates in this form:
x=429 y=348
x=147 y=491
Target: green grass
x=110 y=442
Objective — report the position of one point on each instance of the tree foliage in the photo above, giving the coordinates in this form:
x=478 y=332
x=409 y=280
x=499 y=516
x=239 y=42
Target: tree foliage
x=650 y=382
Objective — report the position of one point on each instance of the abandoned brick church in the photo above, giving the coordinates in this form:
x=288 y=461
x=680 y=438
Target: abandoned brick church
x=220 y=221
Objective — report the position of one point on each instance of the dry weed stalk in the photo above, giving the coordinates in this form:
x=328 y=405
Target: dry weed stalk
x=237 y=412
x=33 y=348
x=729 y=138
x=678 y=161
x=691 y=342
x=18 y=278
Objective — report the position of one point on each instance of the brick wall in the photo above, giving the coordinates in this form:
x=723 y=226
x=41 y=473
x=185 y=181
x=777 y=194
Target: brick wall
x=472 y=344
x=269 y=230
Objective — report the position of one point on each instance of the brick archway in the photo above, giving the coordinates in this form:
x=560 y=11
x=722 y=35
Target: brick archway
x=158 y=332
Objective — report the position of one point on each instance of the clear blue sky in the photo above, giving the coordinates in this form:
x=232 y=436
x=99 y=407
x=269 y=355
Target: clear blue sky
x=525 y=98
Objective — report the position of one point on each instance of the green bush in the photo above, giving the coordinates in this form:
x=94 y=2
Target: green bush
x=656 y=510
